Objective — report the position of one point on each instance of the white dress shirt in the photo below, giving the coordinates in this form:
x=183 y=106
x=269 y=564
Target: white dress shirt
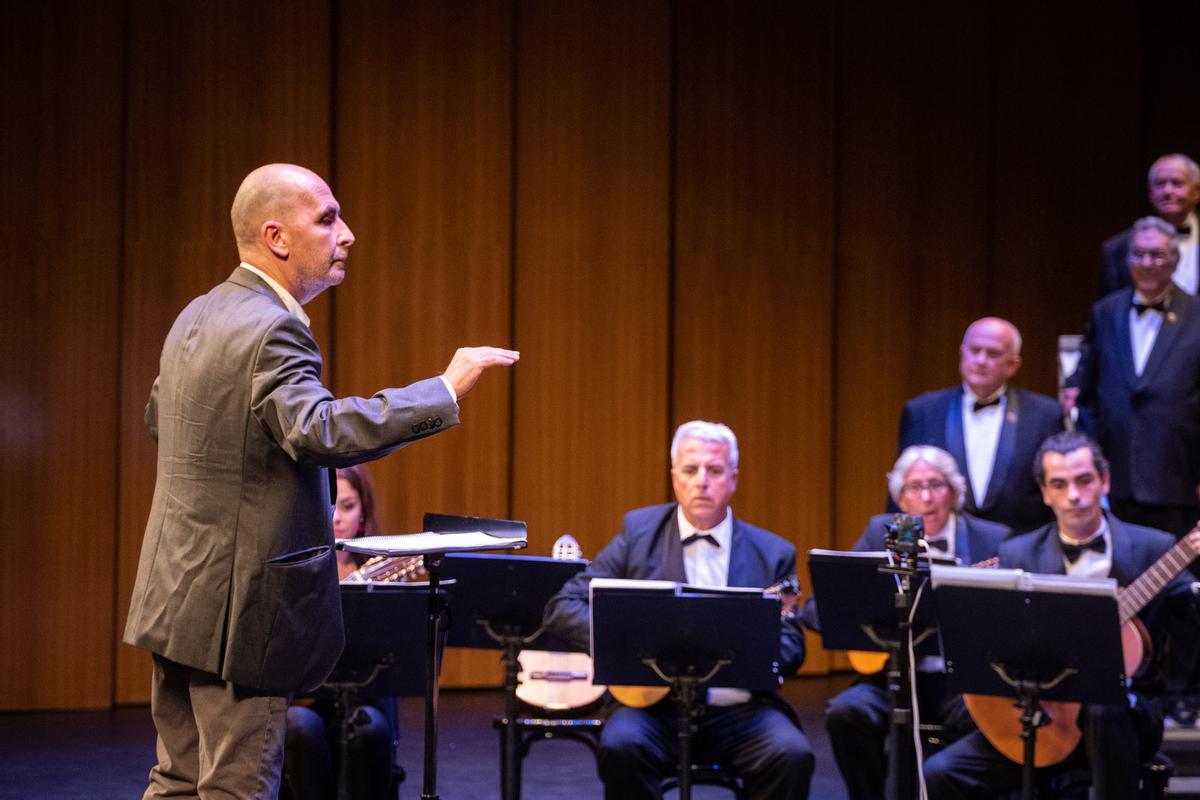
x=981 y=437
x=707 y=564
x=1143 y=332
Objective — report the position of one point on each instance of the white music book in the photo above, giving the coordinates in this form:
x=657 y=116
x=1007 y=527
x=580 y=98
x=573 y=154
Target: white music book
x=429 y=543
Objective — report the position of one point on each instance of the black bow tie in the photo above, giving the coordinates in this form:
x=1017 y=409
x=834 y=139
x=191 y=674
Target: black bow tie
x=696 y=537
x=1184 y=230
x=938 y=544
x=980 y=405
x=1072 y=551
x=1142 y=308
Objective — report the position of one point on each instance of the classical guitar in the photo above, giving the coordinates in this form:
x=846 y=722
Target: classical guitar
x=387 y=569
x=999 y=718
x=788 y=592
x=558 y=681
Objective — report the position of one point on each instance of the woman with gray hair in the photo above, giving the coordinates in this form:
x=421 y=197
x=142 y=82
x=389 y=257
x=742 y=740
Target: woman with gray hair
x=924 y=481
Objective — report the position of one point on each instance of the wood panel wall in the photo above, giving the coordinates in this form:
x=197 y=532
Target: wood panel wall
x=779 y=215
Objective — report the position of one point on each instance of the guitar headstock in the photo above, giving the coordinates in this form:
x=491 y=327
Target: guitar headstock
x=566 y=548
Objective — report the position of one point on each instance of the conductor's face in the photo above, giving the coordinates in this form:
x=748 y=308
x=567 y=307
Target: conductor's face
x=319 y=239
x=704 y=481
x=1073 y=488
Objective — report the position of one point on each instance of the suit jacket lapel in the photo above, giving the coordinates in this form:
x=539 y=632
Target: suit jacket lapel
x=1124 y=340
x=1171 y=325
x=1050 y=558
x=671 y=568
x=1122 y=552
x=737 y=557
x=955 y=443
x=962 y=540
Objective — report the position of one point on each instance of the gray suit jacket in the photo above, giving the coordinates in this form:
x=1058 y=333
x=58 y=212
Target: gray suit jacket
x=237 y=574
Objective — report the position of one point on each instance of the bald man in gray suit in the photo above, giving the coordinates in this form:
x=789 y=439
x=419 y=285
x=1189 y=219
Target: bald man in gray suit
x=236 y=593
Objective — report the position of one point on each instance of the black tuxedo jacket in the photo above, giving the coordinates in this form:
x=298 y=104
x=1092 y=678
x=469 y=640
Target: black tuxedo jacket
x=1013 y=497
x=1148 y=426
x=974 y=539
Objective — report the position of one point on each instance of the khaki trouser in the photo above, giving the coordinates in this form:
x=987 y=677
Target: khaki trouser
x=216 y=741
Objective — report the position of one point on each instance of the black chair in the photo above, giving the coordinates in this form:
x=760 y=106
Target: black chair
x=530 y=730
x=710 y=775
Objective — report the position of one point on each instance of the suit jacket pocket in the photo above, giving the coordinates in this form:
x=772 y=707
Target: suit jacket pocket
x=293 y=612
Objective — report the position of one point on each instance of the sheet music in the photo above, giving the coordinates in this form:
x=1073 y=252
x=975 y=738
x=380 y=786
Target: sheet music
x=427 y=543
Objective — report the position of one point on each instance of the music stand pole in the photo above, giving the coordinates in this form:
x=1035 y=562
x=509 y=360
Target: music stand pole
x=510 y=648
x=433 y=564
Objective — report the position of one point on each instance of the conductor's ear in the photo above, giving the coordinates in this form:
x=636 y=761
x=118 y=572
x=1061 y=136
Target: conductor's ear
x=274 y=236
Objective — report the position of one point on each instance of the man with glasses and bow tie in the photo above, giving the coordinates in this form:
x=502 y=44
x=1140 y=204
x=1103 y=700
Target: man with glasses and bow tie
x=991 y=428
x=697 y=540
x=1173 y=186
x=1083 y=541
x=1139 y=386
x=925 y=481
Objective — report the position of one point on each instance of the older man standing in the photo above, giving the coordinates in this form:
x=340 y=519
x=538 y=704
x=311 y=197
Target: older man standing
x=925 y=481
x=236 y=592
x=1173 y=184
x=1139 y=386
x=990 y=427
x=697 y=539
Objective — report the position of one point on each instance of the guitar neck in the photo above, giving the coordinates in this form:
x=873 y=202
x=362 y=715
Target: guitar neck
x=1134 y=597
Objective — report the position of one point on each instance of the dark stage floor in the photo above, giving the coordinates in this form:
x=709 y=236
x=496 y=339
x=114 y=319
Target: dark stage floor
x=104 y=755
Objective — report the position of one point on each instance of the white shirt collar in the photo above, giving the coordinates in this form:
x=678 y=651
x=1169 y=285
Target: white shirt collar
x=289 y=301
x=723 y=532
x=970 y=396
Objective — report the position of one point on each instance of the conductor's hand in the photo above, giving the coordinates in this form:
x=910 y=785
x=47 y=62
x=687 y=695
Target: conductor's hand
x=470 y=362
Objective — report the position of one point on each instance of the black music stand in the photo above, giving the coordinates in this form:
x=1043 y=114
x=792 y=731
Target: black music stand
x=685 y=638
x=1050 y=637
x=379 y=619
x=499 y=601
x=862 y=605
x=445 y=534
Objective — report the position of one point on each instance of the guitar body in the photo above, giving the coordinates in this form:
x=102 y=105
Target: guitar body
x=1135 y=646
x=867 y=662
x=999 y=720
x=557 y=682
x=638 y=696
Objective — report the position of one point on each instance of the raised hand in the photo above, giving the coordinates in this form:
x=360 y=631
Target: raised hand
x=470 y=362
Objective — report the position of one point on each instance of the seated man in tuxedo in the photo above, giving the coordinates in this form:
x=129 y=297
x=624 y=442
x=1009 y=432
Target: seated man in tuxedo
x=697 y=539
x=1083 y=541
x=990 y=427
x=925 y=481
x=1173 y=186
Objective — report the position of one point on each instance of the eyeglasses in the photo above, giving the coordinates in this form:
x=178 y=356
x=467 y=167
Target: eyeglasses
x=689 y=471
x=1156 y=256
x=916 y=487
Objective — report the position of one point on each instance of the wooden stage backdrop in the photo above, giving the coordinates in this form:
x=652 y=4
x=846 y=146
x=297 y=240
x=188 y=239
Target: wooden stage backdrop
x=776 y=214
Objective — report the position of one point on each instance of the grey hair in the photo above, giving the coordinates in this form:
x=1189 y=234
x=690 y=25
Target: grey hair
x=935 y=457
x=1189 y=166
x=1162 y=226
x=706 y=432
